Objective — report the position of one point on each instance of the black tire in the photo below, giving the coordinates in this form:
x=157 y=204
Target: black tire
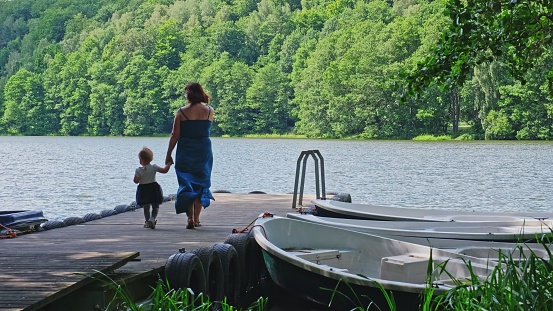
x=342 y=197
x=53 y=224
x=231 y=271
x=70 y=221
x=185 y=270
x=221 y=191
x=250 y=259
x=108 y=212
x=213 y=270
x=91 y=216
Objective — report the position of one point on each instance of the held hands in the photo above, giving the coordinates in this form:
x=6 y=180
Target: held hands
x=169 y=160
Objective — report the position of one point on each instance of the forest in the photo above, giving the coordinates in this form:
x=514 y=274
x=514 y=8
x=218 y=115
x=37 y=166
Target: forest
x=318 y=68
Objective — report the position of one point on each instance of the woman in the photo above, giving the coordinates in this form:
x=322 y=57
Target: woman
x=194 y=157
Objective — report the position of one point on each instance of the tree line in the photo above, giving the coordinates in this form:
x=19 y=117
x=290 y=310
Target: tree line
x=320 y=68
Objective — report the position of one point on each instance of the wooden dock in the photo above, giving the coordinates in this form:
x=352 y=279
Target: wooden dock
x=46 y=270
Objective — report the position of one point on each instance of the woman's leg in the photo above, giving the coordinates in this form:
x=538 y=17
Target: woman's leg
x=190 y=214
x=197 y=209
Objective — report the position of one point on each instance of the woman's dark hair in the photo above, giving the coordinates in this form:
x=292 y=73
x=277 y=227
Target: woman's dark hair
x=195 y=93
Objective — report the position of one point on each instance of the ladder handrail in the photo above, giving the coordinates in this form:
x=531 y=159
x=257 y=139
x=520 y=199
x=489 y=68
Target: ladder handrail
x=319 y=172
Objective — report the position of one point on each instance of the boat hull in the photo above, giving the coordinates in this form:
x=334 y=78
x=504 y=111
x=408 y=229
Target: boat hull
x=330 y=208
x=22 y=220
x=524 y=230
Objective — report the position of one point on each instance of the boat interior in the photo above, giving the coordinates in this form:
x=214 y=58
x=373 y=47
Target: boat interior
x=408 y=267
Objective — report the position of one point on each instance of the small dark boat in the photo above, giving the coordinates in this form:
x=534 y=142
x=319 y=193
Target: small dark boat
x=22 y=220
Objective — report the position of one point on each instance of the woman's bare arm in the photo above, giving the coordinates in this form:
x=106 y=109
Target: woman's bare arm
x=175 y=134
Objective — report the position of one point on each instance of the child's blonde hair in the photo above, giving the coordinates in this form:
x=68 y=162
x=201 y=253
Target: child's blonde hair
x=146 y=155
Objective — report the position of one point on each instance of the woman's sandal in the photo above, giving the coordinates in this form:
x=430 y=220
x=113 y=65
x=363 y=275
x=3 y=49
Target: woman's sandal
x=197 y=224
x=190 y=225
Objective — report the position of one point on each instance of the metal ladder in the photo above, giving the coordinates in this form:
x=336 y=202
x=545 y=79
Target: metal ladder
x=319 y=175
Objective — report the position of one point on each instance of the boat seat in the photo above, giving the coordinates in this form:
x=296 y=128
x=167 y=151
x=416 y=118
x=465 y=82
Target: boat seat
x=409 y=268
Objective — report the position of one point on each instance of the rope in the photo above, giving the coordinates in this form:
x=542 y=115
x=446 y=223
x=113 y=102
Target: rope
x=250 y=226
x=10 y=234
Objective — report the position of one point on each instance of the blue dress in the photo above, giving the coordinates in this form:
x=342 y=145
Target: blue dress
x=194 y=161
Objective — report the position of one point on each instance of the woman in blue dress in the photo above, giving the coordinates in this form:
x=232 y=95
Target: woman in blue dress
x=194 y=157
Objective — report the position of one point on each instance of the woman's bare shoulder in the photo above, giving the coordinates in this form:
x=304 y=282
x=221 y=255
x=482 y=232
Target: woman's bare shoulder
x=180 y=110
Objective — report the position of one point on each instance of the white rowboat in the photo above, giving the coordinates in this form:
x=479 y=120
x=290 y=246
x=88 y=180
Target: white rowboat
x=313 y=261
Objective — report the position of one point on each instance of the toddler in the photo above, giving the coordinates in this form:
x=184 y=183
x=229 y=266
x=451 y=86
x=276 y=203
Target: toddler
x=148 y=191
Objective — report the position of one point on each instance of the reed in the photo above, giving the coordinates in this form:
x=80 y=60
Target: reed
x=516 y=284
x=519 y=284
x=166 y=299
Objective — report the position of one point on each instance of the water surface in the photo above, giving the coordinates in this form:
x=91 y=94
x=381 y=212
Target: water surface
x=72 y=176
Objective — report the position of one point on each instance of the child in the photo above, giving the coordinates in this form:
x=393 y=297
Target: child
x=148 y=191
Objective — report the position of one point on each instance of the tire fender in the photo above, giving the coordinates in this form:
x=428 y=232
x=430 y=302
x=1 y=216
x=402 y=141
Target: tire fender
x=185 y=270
x=231 y=270
x=250 y=259
x=213 y=271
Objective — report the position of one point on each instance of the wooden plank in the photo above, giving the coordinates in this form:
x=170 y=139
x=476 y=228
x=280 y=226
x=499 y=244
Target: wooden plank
x=41 y=283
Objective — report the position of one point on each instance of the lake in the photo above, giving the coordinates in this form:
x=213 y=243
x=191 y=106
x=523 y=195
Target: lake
x=72 y=176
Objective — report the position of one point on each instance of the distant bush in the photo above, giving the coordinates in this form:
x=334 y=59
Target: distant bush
x=432 y=137
x=465 y=137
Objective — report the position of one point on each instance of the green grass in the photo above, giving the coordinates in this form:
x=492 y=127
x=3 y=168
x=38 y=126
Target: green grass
x=516 y=284
x=166 y=299
x=522 y=284
x=432 y=137
x=287 y=136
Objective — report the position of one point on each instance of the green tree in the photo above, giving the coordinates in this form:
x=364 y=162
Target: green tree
x=146 y=113
x=51 y=81
x=169 y=45
x=229 y=38
x=268 y=98
x=25 y=111
x=268 y=21
x=106 y=97
x=227 y=82
x=74 y=89
x=516 y=32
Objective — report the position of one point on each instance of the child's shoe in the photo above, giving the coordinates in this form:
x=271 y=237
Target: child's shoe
x=152 y=223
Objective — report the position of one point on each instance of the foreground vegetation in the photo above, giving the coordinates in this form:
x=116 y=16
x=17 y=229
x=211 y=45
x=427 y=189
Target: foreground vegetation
x=517 y=284
x=522 y=285
x=163 y=298
x=321 y=68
